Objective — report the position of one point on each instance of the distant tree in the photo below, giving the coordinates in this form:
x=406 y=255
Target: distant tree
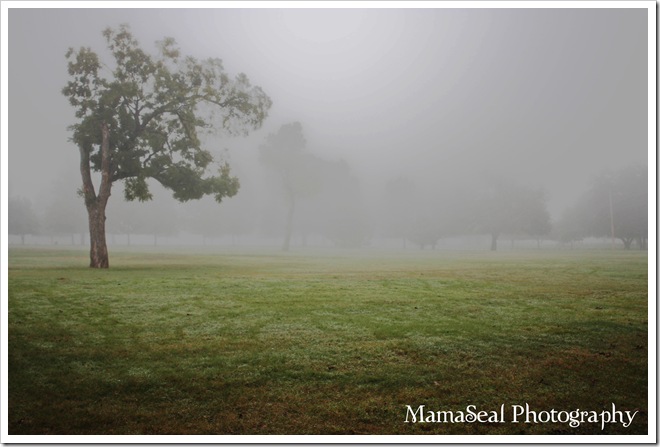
x=425 y=231
x=140 y=119
x=503 y=207
x=299 y=170
x=495 y=210
x=616 y=206
x=21 y=218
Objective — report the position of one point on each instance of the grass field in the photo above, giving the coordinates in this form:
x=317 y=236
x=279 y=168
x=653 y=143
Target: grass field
x=322 y=343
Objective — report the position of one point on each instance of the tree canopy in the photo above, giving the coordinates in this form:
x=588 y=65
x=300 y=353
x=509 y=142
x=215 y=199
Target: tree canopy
x=154 y=108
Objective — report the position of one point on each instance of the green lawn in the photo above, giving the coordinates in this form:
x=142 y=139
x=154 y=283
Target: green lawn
x=332 y=342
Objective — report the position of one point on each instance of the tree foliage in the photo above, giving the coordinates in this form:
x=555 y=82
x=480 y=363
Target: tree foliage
x=155 y=107
x=285 y=152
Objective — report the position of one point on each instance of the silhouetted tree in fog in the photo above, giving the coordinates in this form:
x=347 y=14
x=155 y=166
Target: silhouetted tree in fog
x=503 y=207
x=424 y=231
x=299 y=170
x=496 y=211
x=616 y=206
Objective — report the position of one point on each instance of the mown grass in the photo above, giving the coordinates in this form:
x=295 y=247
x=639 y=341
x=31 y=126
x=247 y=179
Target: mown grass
x=322 y=343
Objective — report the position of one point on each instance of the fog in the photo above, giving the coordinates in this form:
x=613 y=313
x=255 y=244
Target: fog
x=446 y=102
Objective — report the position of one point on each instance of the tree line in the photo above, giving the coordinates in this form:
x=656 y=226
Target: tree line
x=323 y=200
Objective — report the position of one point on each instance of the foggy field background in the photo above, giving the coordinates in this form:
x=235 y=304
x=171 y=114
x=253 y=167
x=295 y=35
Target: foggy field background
x=413 y=115
x=325 y=343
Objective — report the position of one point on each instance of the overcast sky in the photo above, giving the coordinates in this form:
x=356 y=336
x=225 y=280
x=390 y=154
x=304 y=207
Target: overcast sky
x=548 y=97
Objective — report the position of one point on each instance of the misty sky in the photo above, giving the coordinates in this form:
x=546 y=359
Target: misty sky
x=547 y=97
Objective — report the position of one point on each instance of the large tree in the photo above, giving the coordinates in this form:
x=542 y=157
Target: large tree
x=140 y=117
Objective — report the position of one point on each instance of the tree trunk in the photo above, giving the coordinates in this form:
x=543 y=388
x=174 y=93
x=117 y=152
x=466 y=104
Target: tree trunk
x=642 y=242
x=98 y=252
x=95 y=204
x=627 y=242
x=493 y=241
